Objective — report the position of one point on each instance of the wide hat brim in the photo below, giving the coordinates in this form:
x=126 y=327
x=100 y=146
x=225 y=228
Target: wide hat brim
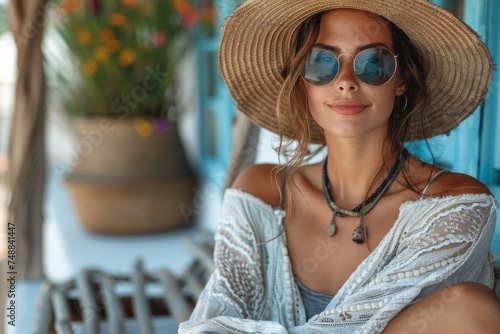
x=256 y=40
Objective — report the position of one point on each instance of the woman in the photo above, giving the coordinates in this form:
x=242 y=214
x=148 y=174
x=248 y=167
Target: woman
x=371 y=240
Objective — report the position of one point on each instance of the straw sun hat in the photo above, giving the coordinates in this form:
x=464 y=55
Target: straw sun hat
x=257 y=37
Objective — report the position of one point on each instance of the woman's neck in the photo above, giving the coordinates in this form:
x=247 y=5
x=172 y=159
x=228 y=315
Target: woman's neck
x=352 y=167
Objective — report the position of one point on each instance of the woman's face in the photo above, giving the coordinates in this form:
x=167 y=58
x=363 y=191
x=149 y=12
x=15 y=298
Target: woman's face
x=348 y=107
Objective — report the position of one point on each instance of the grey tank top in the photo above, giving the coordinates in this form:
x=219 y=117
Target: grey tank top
x=314 y=302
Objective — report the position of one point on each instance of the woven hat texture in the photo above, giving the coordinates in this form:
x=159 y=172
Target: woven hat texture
x=257 y=37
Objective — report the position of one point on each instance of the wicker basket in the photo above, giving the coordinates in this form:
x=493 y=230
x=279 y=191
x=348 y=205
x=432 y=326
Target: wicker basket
x=127 y=184
x=132 y=208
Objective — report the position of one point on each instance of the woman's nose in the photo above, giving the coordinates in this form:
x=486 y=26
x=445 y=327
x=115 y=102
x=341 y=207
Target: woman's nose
x=346 y=79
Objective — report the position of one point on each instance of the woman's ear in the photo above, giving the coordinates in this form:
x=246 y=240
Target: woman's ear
x=403 y=85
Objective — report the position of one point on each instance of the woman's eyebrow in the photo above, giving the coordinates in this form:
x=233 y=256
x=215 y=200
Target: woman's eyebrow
x=359 y=48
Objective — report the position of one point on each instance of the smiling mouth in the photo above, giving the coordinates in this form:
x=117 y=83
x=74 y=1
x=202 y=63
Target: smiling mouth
x=347 y=107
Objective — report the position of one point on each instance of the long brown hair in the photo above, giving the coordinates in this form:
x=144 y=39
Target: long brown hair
x=293 y=109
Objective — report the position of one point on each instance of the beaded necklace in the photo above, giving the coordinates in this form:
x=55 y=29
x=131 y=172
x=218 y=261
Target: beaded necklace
x=358 y=235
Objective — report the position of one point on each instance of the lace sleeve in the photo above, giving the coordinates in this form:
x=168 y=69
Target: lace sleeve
x=233 y=299
x=436 y=244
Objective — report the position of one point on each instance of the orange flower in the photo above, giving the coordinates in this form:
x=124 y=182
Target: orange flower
x=209 y=14
x=127 y=57
x=113 y=45
x=106 y=34
x=84 y=36
x=143 y=127
x=70 y=6
x=180 y=6
x=130 y=3
x=190 y=16
x=117 y=20
x=101 y=53
x=90 y=67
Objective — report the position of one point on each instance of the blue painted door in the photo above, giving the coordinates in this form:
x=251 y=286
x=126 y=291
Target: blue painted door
x=216 y=108
x=474 y=147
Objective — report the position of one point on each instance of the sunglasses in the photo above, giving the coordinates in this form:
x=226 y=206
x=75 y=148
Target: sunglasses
x=374 y=67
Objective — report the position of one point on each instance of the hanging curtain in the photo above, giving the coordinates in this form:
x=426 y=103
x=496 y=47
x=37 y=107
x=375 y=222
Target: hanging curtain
x=26 y=174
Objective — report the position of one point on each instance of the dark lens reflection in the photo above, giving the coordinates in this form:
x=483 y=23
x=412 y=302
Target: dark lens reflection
x=321 y=67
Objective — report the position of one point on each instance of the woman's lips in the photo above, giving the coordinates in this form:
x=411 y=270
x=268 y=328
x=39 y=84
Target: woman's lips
x=347 y=107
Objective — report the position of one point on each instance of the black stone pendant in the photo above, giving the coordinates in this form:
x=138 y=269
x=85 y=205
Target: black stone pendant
x=358 y=235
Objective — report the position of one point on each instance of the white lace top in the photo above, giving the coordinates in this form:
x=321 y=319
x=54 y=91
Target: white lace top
x=434 y=242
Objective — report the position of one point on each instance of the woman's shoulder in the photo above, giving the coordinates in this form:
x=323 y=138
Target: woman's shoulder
x=262 y=181
x=455 y=184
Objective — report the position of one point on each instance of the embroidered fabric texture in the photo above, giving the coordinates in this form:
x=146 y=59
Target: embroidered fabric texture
x=435 y=242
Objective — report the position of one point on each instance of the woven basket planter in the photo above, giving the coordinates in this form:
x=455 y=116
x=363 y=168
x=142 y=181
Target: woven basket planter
x=125 y=183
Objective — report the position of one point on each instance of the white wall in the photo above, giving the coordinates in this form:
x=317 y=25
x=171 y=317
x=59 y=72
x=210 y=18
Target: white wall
x=8 y=75
x=266 y=150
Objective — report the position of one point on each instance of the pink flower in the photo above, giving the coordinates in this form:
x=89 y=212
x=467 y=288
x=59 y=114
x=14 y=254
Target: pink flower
x=190 y=18
x=94 y=6
x=158 y=39
x=161 y=125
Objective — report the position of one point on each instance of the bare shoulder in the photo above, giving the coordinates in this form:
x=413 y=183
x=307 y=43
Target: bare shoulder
x=453 y=184
x=261 y=181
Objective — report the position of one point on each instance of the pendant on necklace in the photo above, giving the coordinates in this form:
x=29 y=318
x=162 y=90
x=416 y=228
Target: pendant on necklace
x=332 y=228
x=358 y=235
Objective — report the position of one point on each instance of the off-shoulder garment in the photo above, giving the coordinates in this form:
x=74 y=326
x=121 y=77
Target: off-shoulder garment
x=435 y=242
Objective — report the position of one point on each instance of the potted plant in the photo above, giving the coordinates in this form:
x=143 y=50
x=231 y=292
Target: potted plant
x=130 y=174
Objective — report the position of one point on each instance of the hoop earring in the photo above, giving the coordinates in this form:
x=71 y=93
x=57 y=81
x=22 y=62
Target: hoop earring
x=406 y=103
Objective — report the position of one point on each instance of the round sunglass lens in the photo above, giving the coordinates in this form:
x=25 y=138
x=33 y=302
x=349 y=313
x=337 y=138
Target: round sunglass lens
x=321 y=67
x=375 y=67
